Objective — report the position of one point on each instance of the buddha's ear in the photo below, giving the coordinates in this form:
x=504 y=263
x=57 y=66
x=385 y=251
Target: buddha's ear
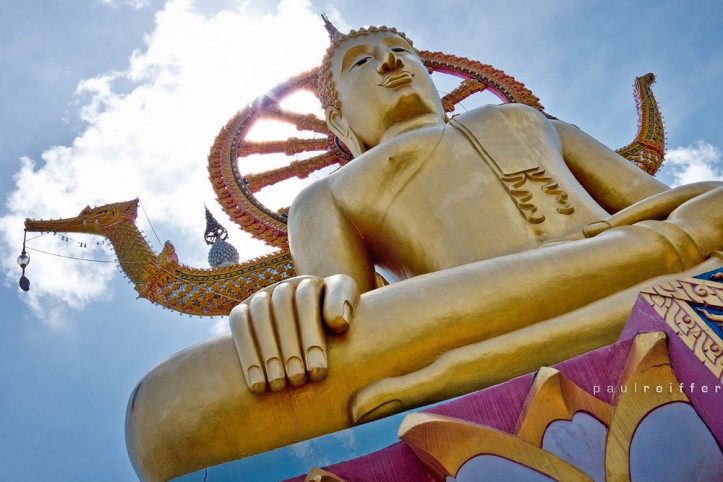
x=340 y=127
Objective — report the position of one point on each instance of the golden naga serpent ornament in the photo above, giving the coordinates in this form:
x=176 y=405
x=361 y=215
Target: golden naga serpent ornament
x=161 y=279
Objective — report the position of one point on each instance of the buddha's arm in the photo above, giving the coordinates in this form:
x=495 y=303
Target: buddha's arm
x=658 y=206
x=618 y=185
x=323 y=242
x=279 y=331
x=612 y=181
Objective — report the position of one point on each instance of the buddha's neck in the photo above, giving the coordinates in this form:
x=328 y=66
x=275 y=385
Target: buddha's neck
x=417 y=122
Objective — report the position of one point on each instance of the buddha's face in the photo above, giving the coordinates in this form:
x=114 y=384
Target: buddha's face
x=381 y=82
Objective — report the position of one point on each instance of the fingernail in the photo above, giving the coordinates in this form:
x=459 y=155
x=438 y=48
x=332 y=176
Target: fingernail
x=341 y=323
x=316 y=363
x=348 y=310
x=295 y=371
x=275 y=373
x=257 y=381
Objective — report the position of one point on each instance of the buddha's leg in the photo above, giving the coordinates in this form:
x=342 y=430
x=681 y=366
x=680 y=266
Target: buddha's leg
x=194 y=411
x=482 y=364
x=695 y=229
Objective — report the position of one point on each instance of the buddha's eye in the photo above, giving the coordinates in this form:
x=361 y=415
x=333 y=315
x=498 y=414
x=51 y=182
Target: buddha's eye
x=399 y=49
x=360 y=62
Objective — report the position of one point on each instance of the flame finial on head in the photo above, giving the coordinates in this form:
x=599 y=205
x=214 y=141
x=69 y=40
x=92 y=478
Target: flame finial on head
x=334 y=34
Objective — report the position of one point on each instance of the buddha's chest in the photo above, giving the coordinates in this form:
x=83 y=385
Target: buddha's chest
x=443 y=199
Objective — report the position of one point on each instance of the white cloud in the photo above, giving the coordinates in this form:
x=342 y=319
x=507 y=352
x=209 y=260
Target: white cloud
x=134 y=4
x=699 y=162
x=307 y=451
x=346 y=439
x=151 y=141
x=220 y=327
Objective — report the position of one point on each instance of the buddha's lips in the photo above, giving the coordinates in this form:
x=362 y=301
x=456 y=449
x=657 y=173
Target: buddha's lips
x=400 y=79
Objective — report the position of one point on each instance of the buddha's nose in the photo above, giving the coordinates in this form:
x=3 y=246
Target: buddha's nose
x=391 y=62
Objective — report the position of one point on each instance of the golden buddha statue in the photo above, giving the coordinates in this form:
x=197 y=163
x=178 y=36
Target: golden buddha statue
x=509 y=242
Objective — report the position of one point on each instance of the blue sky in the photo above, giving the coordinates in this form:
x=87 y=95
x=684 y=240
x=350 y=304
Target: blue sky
x=104 y=101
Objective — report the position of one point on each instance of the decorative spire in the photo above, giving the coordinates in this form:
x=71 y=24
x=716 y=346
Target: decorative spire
x=221 y=253
x=334 y=34
x=213 y=229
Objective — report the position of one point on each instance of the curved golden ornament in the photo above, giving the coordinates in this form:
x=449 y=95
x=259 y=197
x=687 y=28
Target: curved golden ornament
x=320 y=475
x=446 y=444
x=648 y=148
x=161 y=278
x=553 y=397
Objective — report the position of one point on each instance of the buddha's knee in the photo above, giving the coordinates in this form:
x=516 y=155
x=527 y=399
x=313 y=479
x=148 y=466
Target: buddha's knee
x=674 y=243
x=702 y=219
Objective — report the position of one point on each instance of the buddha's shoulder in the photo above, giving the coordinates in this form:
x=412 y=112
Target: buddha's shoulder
x=510 y=112
x=313 y=197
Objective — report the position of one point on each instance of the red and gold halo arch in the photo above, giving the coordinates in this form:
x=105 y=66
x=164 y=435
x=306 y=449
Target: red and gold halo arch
x=236 y=191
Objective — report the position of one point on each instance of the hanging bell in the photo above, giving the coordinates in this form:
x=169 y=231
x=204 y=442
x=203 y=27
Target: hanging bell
x=24 y=260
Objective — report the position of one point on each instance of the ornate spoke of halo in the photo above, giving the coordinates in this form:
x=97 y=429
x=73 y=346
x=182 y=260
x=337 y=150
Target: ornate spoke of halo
x=303 y=122
x=300 y=169
x=290 y=146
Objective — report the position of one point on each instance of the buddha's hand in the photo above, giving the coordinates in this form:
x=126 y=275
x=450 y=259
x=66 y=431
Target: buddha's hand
x=279 y=331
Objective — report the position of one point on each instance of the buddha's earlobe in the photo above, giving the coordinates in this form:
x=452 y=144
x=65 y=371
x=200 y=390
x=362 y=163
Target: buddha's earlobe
x=340 y=127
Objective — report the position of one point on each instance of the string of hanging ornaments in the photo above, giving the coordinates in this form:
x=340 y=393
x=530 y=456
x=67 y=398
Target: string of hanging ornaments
x=24 y=261
x=24 y=258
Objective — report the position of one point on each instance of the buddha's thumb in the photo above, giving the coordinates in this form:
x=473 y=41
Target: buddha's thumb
x=341 y=296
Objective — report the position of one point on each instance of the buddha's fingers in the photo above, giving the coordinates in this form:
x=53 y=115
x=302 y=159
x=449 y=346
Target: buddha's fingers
x=279 y=333
x=313 y=342
x=282 y=301
x=263 y=326
x=240 y=324
x=341 y=295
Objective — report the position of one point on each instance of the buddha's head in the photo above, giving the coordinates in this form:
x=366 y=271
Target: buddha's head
x=371 y=80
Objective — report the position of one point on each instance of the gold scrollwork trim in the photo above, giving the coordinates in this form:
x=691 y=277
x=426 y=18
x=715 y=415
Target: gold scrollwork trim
x=690 y=328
